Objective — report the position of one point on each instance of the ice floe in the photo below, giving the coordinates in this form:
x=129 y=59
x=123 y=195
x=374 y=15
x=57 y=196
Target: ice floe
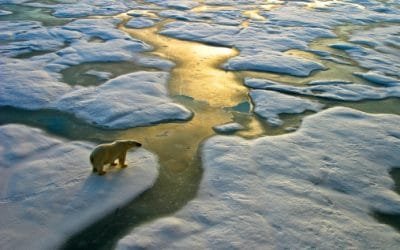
x=378 y=49
x=341 y=91
x=25 y=85
x=5 y=12
x=130 y=100
x=269 y=104
x=135 y=99
x=273 y=62
x=140 y=22
x=380 y=79
x=99 y=74
x=48 y=191
x=314 y=188
x=228 y=128
x=175 y=4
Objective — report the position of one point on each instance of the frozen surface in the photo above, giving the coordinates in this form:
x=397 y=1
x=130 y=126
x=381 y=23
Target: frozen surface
x=228 y=127
x=140 y=22
x=99 y=74
x=269 y=104
x=262 y=53
x=48 y=191
x=29 y=36
x=378 y=49
x=5 y=12
x=130 y=100
x=379 y=79
x=314 y=188
x=290 y=25
x=340 y=91
x=25 y=85
x=273 y=62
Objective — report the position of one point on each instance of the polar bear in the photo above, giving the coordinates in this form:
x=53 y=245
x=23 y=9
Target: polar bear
x=109 y=152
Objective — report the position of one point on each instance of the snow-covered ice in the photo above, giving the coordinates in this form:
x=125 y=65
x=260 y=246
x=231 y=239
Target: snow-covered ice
x=314 y=188
x=99 y=74
x=130 y=100
x=140 y=22
x=341 y=91
x=25 y=85
x=269 y=104
x=379 y=79
x=228 y=128
x=377 y=49
x=48 y=191
x=5 y=12
x=273 y=62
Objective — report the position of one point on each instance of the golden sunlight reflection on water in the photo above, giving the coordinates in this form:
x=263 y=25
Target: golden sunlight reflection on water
x=198 y=83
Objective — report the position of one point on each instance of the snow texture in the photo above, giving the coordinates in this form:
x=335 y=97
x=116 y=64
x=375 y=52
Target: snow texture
x=269 y=104
x=228 y=128
x=379 y=79
x=139 y=23
x=341 y=91
x=291 y=25
x=48 y=191
x=25 y=85
x=378 y=49
x=131 y=100
x=5 y=12
x=99 y=74
x=314 y=188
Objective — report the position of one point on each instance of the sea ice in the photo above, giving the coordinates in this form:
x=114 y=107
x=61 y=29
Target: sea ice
x=274 y=62
x=269 y=104
x=378 y=49
x=342 y=91
x=102 y=75
x=140 y=22
x=380 y=79
x=228 y=128
x=5 y=12
x=48 y=191
x=175 y=4
x=130 y=100
x=314 y=188
x=25 y=85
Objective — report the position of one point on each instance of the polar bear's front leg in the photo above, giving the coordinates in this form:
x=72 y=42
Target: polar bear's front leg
x=121 y=160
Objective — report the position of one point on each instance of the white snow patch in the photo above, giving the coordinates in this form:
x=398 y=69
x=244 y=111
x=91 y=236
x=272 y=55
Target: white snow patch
x=140 y=22
x=378 y=49
x=343 y=92
x=5 y=12
x=314 y=188
x=328 y=82
x=48 y=191
x=274 y=62
x=25 y=85
x=269 y=104
x=99 y=74
x=228 y=128
x=378 y=78
x=175 y=4
x=130 y=100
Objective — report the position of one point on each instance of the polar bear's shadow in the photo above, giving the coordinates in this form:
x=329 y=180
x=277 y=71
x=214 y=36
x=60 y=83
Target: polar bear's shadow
x=113 y=179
